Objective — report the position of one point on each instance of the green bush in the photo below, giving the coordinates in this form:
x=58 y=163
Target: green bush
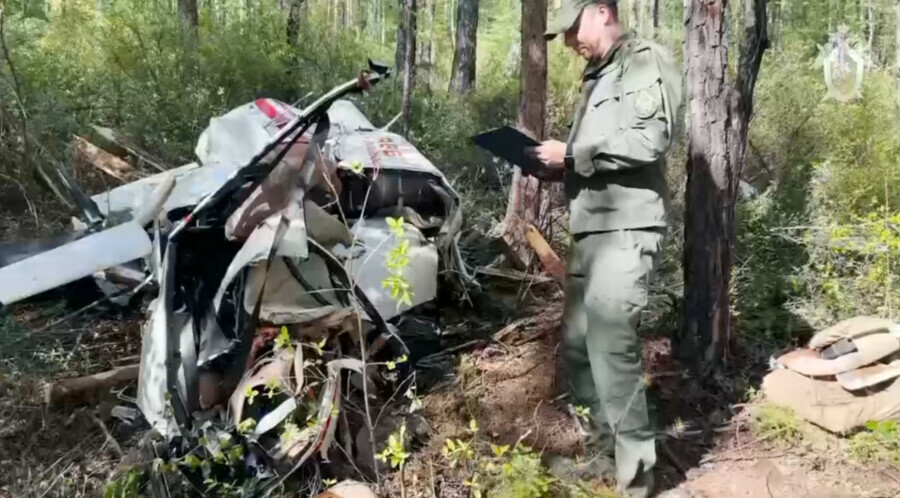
x=820 y=242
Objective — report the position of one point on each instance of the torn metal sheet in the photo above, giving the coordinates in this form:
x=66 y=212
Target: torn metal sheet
x=125 y=414
x=152 y=389
x=369 y=268
x=348 y=117
x=383 y=150
x=73 y=261
x=297 y=291
x=191 y=183
x=235 y=137
x=275 y=417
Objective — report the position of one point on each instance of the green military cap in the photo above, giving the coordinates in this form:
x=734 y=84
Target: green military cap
x=565 y=16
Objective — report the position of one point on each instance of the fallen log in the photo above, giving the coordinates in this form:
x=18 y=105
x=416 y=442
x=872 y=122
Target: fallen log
x=127 y=146
x=86 y=390
x=549 y=260
x=512 y=275
x=102 y=160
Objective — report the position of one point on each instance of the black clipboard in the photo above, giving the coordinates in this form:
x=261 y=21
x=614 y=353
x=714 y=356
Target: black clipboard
x=511 y=145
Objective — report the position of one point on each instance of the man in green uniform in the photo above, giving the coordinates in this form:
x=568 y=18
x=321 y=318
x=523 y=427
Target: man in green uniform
x=613 y=166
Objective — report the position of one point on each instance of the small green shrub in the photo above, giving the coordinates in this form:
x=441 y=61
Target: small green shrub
x=880 y=442
x=772 y=422
x=127 y=485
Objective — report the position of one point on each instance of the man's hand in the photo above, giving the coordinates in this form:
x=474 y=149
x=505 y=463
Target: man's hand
x=552 y=153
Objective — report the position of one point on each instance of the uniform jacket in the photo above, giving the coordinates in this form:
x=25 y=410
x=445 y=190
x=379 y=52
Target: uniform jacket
x=624 y=124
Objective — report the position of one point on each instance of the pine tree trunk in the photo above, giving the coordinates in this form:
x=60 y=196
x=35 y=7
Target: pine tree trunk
x=431 y=41
x=718 y=124
x=293 y=22
x=656 y=17
x=462 y=78
x=526 y=197
x=187 y=11
x=426 y=54
x=400 y=49
x=409 y=63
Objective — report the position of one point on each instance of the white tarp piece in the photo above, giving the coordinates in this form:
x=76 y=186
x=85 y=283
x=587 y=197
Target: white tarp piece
x=73 y=261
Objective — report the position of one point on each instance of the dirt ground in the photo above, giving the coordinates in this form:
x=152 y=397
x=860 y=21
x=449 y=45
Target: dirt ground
x=66 y=451
x=514 y=390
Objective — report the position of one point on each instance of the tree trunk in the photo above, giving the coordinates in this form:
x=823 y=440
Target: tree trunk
x=187 y=11
x=526 y=197
x=462 y=78
x=409 y=63
x=431 y=43
x=400 y=49
x=871 y=17
x=718 y=123
x=655 y=17
x=293 y=22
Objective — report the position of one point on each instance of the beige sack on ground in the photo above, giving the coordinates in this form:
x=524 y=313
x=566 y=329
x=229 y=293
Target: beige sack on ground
x=852 y=327
x=870 y=348
x=826 y=404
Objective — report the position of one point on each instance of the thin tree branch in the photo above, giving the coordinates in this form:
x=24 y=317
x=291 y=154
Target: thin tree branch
x=17 y=87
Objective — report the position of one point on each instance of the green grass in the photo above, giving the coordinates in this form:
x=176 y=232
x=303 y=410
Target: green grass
x=775 y=423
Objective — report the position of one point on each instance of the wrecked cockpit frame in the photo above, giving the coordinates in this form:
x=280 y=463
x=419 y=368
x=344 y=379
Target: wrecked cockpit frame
x=269 y=259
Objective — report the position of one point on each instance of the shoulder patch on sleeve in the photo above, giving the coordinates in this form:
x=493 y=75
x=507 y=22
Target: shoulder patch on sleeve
x=646 y=103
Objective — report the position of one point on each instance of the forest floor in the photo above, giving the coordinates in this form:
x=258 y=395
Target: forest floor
x=512 y=388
